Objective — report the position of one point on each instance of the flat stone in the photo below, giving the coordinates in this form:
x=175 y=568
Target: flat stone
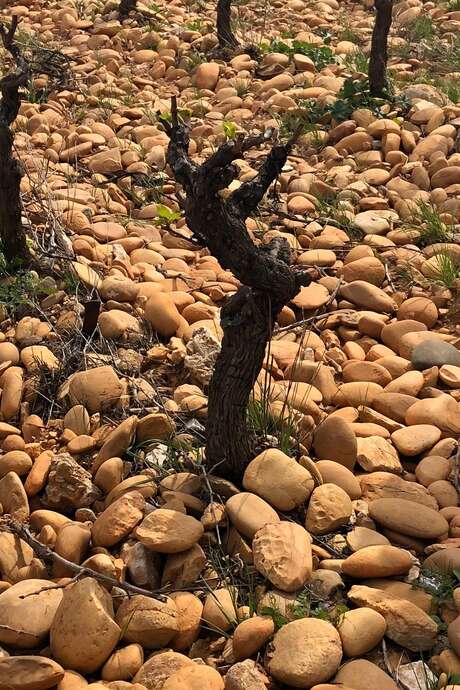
x=434 y=352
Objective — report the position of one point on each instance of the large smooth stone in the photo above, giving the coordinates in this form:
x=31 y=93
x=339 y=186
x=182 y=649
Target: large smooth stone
x=434 y=353
x=409 y=518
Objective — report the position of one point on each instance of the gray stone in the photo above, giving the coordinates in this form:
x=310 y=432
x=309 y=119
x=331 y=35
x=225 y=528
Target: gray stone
x=434 y=353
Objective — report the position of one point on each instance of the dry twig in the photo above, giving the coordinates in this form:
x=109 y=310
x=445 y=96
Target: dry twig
x=46 y=554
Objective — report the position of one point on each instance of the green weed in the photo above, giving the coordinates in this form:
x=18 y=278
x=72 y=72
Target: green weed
x=432 y=228
x=448 y=272
x=263 y=423
x=438 y=583
x=421 y=29
x=321 y=56
x=19 y=288
x=166 y=217
x=347 y=34
x=357 y=62
x=229 y=128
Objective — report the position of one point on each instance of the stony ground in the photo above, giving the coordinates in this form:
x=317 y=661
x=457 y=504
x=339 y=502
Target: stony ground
x=123 y=563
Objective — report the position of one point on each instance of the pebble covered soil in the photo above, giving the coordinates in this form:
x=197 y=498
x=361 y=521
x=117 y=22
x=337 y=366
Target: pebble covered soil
x=124 y=563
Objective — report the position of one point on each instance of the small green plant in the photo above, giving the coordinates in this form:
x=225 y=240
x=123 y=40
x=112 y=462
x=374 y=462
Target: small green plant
x=194 y=59
x=306 y=605
x=334 y=211
x=195 y=25
x=242 y=87
x=263 y=423
x=357 y=61
x=354 y=94
x=447 y=270
x=166 y=216
x=321 y=56
x=451 y=88
x=19 y=288
x=453 y=6
x=300 y=120
x=438 y=583
x=347 y=34
x=421 y=29
x=433 y=230
x=229 y=129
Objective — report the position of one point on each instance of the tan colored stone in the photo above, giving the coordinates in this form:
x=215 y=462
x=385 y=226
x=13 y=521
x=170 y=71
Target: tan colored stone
x=335 y=440
x=335 y=473
x=162 y=314
x=248 y=513
x=83 y=633
x=415 y=439
x=432 y=469
x=377 y=561
x=450 y=375
x=12 y=388
x=330 y=507
x=368 y=296
x=361 y=674
x=168 y=531
x=392 y=333
x=15 y=461
x=407 y=624
x=420 y=309
x=442 y=411
x=282 y=554
x=403 y=590
x=361 y=537
x=387 y=485
x=124 y=663
x=250 y=635
x=305 y=652
x=377 y=454
x=13 y=497
x=118 y=520
x=159 y=667
x=279 y=479
x=29 y=673
x=357 y=393
x=117 y=442
x=182 y=569
x=148 y=622
x=156 y=425
x=25 y=621
x=95 y=388
x=72 y=544
x=366 y=371
x=195 y=677
x=219 y=611
x=412 y=519
x=206 y=75
x=189 y=609
x=409 y=383
x=361 y=630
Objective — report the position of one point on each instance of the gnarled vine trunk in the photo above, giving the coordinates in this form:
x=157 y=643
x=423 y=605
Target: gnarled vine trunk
x=225 y=35
x=379 y=47
x=125 y=7
x=268 y=282
x=12 y=233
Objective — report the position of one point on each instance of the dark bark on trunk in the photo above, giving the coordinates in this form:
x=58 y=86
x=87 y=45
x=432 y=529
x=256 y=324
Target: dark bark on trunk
x=13 y=236
x=225 y=34
x=125 y=7
x=91 y=316
x=268 y=282
x=379 y=48
x=12 y=233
